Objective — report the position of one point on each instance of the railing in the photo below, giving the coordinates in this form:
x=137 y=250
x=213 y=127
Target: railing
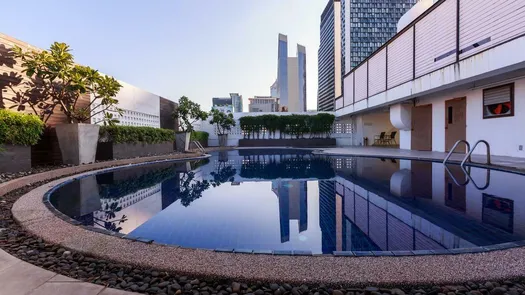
x=199 y=146
x=467 y=158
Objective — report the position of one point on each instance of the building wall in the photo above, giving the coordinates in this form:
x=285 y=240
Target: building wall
x=504 y=140
x=326 y=59
x=167 y=107
x=301 y=68
x=282 y=69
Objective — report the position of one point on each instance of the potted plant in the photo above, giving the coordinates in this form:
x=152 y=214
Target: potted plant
x=61 y=84
x=224 y=123
x=187 y=113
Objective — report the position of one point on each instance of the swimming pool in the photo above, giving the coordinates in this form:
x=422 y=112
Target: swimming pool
x=293 y=201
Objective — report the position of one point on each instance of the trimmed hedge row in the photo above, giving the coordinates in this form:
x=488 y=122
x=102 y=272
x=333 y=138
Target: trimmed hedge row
x=296 y=126
x=132 y=134
x=19 y=129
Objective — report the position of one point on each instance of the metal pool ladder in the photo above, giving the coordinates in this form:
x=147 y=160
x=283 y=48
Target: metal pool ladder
x=199 y=146
x=468 y=158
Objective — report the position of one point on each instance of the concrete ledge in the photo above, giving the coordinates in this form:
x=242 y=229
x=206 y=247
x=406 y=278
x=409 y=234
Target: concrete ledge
x=298 y=142
x=36 y=218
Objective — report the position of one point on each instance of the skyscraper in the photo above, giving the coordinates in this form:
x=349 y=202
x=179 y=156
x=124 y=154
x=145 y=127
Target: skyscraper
x=329 y=57
x=366 y=25
x=236 y=102
x=290 y=86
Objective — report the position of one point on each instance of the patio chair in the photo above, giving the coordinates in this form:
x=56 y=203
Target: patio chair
x=389 y=139
x=379 y=139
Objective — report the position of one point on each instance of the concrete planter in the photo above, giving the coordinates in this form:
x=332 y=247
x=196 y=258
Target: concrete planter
x=223 y=140
x=182 y=141
x=110 y=150
x=300 y=142
x=15 y=158
x=78 y=143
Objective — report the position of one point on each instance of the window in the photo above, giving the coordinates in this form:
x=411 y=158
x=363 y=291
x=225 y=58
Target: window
x=498 y=101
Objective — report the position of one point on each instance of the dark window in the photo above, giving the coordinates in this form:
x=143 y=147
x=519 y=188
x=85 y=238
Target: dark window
x=498 y=101
x=450 y=112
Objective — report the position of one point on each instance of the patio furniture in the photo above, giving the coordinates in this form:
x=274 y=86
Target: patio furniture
x=379 y=139
x=389 y=139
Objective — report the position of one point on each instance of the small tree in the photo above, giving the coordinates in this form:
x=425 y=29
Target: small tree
x=224 y=122
x=187 y=113
x=56 y=81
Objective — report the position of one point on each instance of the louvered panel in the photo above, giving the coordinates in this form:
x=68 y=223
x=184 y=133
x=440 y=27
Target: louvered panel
x=400 y=59
x=377 y=75
x=497 y=95
x=360 y=82
x=349 y=89
x=436 y=39
x=487 y=23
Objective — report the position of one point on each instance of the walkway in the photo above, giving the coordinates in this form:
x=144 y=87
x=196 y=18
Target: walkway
x=507 y=162
x=21 y=278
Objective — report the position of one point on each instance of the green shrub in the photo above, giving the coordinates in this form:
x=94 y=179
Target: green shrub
x=19 y=129
x=200 y=136
x=132 y=134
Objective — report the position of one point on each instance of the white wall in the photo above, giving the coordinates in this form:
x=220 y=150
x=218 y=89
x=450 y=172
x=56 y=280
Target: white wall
x=372 y=124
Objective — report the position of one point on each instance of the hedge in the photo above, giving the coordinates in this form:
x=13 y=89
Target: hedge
x=19 y=129
x=132 y=134
x=200 y=136
x=296 y=126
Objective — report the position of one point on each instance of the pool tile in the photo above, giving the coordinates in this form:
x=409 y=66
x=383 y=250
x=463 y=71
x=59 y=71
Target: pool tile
x=224 y=250
x=128 y=237
x=422 y=252
x=500 y=246
x=363 y=253
x=441 y=252
x=403 y=253
x=282 y=252
x=383 y=253
x=302 y=253
x=244 y=251
x=144 y=240
x=268 y=252
x=344 y=253
x=467 y=250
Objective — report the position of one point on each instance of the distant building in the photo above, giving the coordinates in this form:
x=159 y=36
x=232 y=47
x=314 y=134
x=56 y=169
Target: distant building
x=263 y=104
x=290 y=86
x=223 y=104
x=236 y=102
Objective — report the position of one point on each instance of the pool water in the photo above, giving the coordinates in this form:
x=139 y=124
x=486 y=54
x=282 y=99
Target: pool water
x=290 y=200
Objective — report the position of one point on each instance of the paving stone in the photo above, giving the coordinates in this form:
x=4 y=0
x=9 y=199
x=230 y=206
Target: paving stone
x=22 y=278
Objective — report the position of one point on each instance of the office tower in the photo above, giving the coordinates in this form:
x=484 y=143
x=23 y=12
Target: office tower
x=290 y=86
x=329 y=57
x=366 y=25
x=293 y=205
x=327 y=215
x=236 y=102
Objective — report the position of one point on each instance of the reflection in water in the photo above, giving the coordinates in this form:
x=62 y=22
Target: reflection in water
x=284 y=200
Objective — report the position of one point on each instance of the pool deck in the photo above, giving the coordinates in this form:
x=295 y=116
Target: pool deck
x=18 y=277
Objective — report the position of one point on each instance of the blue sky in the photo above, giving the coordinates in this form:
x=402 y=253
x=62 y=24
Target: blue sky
x=200 y=49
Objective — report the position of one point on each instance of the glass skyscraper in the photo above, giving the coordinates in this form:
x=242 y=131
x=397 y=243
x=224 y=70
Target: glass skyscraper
x=237 y=102
x=282 y=70
x=366 y=25
x=290 y=86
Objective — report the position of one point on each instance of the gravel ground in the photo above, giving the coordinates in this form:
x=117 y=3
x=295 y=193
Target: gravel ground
x=21 y=244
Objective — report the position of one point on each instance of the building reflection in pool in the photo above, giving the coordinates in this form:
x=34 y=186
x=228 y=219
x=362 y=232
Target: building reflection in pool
x=321 y=204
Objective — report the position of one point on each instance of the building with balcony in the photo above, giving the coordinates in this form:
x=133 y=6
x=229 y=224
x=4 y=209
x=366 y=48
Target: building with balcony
x=224 y=104
x=455 y=72
x=290 y=86
x=237 y=102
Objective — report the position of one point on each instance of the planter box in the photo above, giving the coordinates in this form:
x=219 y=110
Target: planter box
x=182 y=141
x=302 y=142
x=15 y=158
x=78 y=142
x=110 y=151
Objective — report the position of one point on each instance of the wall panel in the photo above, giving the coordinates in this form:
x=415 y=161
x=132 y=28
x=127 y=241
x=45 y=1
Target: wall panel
x=361 y=82
x=377 y=75
x=349 y=89
x=401 y=59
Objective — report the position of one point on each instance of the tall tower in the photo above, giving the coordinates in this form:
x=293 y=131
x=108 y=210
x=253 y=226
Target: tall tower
x=329 y=57
x=282 y=71
x=290 y=86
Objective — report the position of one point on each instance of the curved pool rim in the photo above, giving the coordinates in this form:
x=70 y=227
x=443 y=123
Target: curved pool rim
x=456 y=251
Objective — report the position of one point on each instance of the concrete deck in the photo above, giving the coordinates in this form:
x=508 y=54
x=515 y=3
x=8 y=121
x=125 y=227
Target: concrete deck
x=21 y=278
x=505 y=162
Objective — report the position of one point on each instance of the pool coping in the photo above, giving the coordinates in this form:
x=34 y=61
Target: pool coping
x=26 y=217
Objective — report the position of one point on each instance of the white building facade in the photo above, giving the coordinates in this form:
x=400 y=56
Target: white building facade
x=454 y=72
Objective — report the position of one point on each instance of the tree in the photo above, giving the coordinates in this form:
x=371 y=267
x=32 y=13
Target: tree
x=56 y=81
x=224 y=122
x=187 y=113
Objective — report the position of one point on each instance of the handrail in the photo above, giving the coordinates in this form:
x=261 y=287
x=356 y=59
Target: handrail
x=454 y=147
x=454 y=178
x=472 y=150
x=199 y=146
x=487 y=178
